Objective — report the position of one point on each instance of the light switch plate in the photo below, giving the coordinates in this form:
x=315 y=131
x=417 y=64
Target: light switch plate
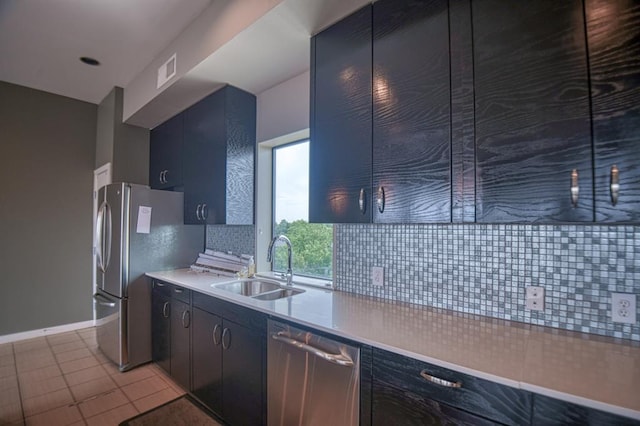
x=377 y=276
x=623 y=308
x=534 y=298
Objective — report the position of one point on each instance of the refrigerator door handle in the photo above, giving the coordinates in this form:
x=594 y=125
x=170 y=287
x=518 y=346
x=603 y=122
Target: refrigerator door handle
x=108 y=239
x=100 y=237
x=101 y=300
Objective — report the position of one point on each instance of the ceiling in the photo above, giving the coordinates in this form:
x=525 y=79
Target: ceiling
x=41 y=42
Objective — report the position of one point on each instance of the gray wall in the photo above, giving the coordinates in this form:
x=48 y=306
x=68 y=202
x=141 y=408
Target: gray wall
x=125 y=146
x=47 y=152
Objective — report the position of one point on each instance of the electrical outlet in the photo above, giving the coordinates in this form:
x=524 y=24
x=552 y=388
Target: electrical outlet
x=534 y=298
x=377 y=276
x=623 y=308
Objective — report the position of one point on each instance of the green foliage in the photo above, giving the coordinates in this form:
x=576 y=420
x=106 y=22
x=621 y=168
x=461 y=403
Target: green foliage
x=312 y=248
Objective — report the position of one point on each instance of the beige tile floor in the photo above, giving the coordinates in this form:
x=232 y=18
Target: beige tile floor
x=63 y=379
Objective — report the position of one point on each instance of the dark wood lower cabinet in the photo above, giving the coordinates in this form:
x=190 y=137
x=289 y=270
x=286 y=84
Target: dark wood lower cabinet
x=393 y=406
x=160 y=330
x=217 y=350
x=180 y=343
x=207 y=359
x=553 y=412
x=243 y=379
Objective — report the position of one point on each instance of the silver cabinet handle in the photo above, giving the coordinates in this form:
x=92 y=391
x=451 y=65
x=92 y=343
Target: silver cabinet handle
x=198 y=210
x=165 y=309
x=178 y=290
x=101 y=300
x=438 y=381
x=205 y=212
x=615 y=184
x=165 y=176
x=362 y=201
x=380 y=199
x=186 y=319
x=159 y=284
x=226 y=332
x=160 y=176
x=575 y=188
x=216 y=332
x=338 y=359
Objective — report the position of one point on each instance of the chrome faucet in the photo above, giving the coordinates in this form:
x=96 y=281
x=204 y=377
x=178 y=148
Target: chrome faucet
x=289 y=254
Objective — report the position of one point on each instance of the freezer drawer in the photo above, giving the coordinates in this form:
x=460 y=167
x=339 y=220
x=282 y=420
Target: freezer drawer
x=111 y=327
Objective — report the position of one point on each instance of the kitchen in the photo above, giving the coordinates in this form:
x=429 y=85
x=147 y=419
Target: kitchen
x=457 y=260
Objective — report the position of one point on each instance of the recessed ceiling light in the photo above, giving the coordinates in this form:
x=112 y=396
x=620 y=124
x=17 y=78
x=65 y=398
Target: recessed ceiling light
x=90 y=61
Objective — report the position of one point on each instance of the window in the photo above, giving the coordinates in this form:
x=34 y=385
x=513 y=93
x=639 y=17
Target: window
x=312 y=242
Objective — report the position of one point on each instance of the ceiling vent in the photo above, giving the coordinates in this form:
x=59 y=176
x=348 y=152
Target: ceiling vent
x=167 y=71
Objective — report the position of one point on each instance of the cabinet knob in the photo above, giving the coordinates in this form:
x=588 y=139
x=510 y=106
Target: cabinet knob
x=362 y=201
x=380 y=199
x=575 y=188
x=614 y=186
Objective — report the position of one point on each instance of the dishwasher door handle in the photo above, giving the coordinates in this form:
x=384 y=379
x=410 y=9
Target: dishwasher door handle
x=338 y=359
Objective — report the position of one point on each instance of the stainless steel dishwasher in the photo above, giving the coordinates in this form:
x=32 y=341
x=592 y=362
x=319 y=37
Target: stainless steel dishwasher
x=311 y=380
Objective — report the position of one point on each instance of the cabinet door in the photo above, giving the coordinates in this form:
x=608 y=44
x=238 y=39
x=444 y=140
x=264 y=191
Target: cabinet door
x=340 y=147
x=180 y=343
x=161 y=330
x=204 y=159
x=613 y=34
x=207 y=359
x=531 y=111
x=411 y=112
x=393 y=406
x=243 y=375
x=165 y=154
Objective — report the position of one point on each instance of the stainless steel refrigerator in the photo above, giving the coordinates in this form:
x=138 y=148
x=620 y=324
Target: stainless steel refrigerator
x=138 y=230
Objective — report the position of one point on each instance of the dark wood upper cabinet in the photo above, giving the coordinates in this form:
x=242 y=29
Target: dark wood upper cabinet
x=532 y=117
x=613 y=35
x=411 y=112
x=165 y=154
x=219 y=151
x=340 y=121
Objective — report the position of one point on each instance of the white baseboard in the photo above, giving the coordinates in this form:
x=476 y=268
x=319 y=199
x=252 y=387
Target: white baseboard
x=9 y=338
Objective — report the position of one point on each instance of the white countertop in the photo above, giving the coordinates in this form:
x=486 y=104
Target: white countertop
x=585 y=369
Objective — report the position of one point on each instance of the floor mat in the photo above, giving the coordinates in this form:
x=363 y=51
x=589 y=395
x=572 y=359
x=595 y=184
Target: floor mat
x=179 y=412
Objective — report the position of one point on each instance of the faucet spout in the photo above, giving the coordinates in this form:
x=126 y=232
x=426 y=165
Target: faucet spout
x=289 y=254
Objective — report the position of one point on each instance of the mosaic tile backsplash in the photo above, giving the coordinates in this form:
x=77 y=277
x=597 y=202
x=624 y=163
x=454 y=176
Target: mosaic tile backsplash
x=484 y=269
x=239 y=239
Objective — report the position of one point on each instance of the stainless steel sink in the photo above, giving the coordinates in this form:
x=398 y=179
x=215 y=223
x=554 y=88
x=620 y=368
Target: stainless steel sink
x=258 y=289
x=249 y=287
x=278 y=294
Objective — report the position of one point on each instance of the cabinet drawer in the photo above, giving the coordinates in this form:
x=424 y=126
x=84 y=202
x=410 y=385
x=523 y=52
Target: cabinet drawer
x=500 y=403
x=550 y=412
x=181 y=294
x=208 y=304
x=162 y=288
x=230 y=311
x=396 y=406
